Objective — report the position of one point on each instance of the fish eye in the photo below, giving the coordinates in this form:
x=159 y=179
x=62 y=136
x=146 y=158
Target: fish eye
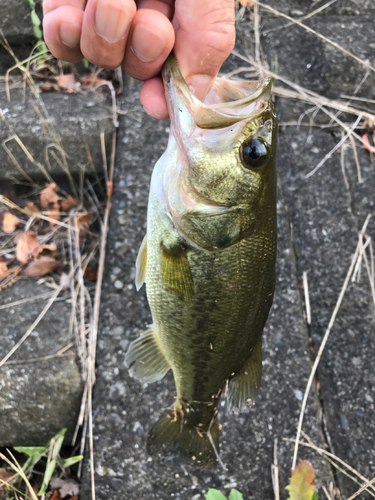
x=254 y=153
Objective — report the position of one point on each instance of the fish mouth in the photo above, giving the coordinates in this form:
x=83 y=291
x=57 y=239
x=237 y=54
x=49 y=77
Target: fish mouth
x=227 y=103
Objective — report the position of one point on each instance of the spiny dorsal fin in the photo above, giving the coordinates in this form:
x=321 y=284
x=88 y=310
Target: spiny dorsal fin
x=175 y=271
x=145 y=359
x=140 y=265
x=244 y=387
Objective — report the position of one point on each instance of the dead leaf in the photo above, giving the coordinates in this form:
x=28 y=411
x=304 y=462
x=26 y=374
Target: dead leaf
x=84 y=219
x=40 y=267
x=91 y=274
x=56 y=495
x=27 y=246
x=83 y=222
x=302 y=482
x=96 y=82
x=10 y=222
x=10 y=278
x=49 y=197
x=68 y=203
x=31 y=208
x=246 y=2
x=367 y=145
x=7 y=476
x=49 y=201
x=67 y=487
x=48 y=87
x=3 y=273
x=67 y=83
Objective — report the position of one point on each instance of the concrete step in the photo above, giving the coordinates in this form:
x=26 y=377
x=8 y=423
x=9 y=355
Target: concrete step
x=38 y=396
x=73 y=121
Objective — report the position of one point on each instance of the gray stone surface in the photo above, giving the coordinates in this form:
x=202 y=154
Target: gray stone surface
x=15 y=20
x=77 y=119
x=38 y=397
x=311 y=62
x=298 y=8
x=17 y=29
x=325 y=235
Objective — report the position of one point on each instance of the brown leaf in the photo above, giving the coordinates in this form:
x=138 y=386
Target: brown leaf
x=68 y=203
x=3 y=272
x=10 y=222
x=7 y=476
x=49 y=201
x=247 y=2
x=91 y=274
x=366 y=145
x=96 y=82
x=56 y=495
x=67 y=83
x=40 y=267
x=27 y=246
x=67 y=487
x=84 y=219
x=30 y=207
x=53 y=215
x=49 y=197
x=48 y=87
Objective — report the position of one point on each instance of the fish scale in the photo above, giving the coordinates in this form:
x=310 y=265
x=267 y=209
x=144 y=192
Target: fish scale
x=209 y=259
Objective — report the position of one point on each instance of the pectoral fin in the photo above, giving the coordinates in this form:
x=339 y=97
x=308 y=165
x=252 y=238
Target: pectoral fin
x=244 y=387
x=145 y=359
x=140 y=265
x=176 y=274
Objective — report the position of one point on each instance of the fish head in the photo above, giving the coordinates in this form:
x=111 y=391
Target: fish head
x=223 y=177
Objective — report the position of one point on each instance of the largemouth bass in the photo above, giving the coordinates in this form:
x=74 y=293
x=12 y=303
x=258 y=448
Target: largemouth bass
x=208 y=259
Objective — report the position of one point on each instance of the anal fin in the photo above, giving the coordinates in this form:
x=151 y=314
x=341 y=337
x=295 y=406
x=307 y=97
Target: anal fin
x=145 y=359
x=140 y=265
x=243 y=388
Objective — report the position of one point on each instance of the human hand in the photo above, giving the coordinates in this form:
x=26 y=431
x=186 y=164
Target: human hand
x=139 y=35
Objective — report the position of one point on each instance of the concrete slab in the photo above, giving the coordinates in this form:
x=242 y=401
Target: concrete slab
x=325 y=235
x=78 y=121
x=38 y=397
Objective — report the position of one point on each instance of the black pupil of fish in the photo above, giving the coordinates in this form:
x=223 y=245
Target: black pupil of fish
x=254 y=153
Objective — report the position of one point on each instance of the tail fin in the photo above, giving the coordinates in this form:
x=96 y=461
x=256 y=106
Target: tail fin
x=178 y=434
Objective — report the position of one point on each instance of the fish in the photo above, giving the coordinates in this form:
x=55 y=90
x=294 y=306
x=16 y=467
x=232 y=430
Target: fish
x=208 y=259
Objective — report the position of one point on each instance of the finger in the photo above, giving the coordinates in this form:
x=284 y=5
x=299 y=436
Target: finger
x=166 y=7
x=150 y=41
x=50 y=5
x=152 y=98
x=204 y=39
x=106 y=25
x=62 y=32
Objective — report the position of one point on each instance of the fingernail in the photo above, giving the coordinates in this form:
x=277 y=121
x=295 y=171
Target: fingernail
x=199 y=85
x=70 y=35
x=111 y=22
x=153 y=114
x=147 y=44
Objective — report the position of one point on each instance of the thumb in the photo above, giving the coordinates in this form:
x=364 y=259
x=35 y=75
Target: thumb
x=205 y=35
